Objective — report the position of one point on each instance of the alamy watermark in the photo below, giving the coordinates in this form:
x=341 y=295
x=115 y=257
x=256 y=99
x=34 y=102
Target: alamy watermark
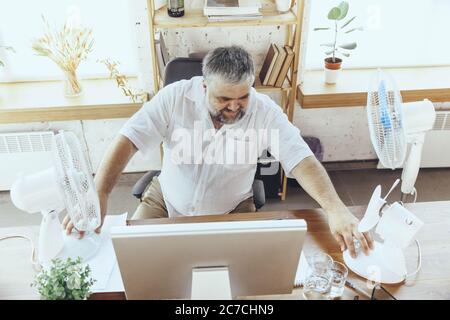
x=227 y=147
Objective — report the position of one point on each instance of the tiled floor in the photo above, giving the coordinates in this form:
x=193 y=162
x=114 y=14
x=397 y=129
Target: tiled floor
x=354 y=187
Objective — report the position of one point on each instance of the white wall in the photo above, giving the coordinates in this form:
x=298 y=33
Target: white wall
x=343 y=131
x=100 y=133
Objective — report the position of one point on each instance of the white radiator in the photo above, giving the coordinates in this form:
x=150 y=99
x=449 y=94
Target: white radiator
x=436 y=149
x=23 y=153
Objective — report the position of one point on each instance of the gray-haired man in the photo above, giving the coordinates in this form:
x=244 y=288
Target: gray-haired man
x=195 y=119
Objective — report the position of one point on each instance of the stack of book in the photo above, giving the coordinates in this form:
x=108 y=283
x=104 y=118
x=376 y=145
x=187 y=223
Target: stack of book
x=229 y=10
x=162 y=55
x=276 y=65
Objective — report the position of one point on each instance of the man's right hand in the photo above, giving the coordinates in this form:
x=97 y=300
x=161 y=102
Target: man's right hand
x=67 y=224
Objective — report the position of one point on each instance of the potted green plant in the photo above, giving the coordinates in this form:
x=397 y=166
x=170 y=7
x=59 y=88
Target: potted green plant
x=64 y=280
x=332 y=62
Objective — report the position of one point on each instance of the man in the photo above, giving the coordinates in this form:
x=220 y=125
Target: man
x=194 y=119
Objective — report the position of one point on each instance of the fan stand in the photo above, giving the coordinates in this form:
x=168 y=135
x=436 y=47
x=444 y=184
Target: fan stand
x=374 y=267
x=50 y=237
x=54 y=243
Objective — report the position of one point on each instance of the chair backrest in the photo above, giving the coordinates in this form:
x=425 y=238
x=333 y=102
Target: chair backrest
x=182 y=68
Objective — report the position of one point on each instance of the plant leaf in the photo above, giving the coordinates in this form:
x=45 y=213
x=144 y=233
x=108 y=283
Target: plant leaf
x=321 y=28
x=343 y=7
x=1 y=63
x=329 y=52
x=348 y=22
x=348 y=46
x=354 y=29
x=327 y=45
x=334 y=13
x=345 y=54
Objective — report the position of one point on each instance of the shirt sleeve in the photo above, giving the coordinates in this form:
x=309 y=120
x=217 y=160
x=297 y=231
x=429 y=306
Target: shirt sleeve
x=148 y=127
x=285 y=143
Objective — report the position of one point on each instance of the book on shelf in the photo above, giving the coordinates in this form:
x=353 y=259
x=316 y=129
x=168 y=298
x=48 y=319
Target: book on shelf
x=268 y=64
x=162 y=55
x=286 y=65
x=231 y=7
x=234 y=17
x=277 y=66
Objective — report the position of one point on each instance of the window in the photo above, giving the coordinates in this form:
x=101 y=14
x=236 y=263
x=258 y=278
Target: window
x=113 y=29
x=396 y=33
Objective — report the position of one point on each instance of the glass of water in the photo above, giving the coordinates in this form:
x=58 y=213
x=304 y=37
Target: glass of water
x=317 y=284
x=339 y=273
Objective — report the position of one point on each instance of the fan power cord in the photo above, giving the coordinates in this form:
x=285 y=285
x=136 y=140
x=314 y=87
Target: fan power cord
x=415 y=195
x=419 y=249
x=419 y=260
x=33 y=259
x=406 y=195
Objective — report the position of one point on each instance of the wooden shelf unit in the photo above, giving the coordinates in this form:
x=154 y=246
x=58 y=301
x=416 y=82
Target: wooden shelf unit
x=415 y=83
x=195 y=18
x=292 y=20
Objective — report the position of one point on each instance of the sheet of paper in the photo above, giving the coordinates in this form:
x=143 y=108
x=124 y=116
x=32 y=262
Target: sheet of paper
x=114 y=284
x=104 y=262
x=302 y=270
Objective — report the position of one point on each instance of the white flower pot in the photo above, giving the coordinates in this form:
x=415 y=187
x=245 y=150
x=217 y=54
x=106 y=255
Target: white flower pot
x=331 y=76
x=332 y=70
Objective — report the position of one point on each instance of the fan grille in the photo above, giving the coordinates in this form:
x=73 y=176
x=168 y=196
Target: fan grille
x=384 y=110
x=76 y=182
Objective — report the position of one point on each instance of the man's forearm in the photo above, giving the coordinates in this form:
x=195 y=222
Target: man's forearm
x=314 y=179
x=343 y=224
x=114 y=162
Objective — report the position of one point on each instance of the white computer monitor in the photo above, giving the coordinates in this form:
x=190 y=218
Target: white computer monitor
x=210 y=260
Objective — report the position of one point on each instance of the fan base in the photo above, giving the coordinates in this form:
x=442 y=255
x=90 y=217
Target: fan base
x=373 y=267
x=54 y=243
x=85 y=248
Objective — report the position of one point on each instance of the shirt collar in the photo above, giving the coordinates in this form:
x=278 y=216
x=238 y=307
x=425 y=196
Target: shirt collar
x=196 y=92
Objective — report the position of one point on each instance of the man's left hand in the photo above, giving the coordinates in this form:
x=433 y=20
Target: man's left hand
x=344 y=227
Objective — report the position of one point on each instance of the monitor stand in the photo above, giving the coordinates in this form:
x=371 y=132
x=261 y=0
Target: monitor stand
x=210 y=283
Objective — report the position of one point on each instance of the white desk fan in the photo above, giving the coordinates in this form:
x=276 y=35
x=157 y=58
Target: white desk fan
x=68 y=184
x=392 y=126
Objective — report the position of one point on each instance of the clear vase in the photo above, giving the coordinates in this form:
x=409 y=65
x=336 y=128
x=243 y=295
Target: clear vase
x=72 y=85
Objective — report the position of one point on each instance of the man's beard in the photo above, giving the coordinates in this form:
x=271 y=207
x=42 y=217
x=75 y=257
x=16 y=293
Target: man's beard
x=218 y=115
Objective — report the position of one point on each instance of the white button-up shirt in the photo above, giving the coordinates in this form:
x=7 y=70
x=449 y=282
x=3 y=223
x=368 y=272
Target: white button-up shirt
x=192 y=183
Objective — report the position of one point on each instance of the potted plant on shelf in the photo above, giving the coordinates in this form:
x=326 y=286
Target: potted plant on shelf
x=332 y=62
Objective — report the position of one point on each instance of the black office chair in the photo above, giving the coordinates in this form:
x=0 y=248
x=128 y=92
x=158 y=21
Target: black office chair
x=179 y=69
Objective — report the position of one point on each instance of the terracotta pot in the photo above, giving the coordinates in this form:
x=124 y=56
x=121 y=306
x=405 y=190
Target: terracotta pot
x=332 y=70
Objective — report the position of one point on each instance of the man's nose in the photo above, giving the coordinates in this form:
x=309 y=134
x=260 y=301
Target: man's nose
x=234 y=105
